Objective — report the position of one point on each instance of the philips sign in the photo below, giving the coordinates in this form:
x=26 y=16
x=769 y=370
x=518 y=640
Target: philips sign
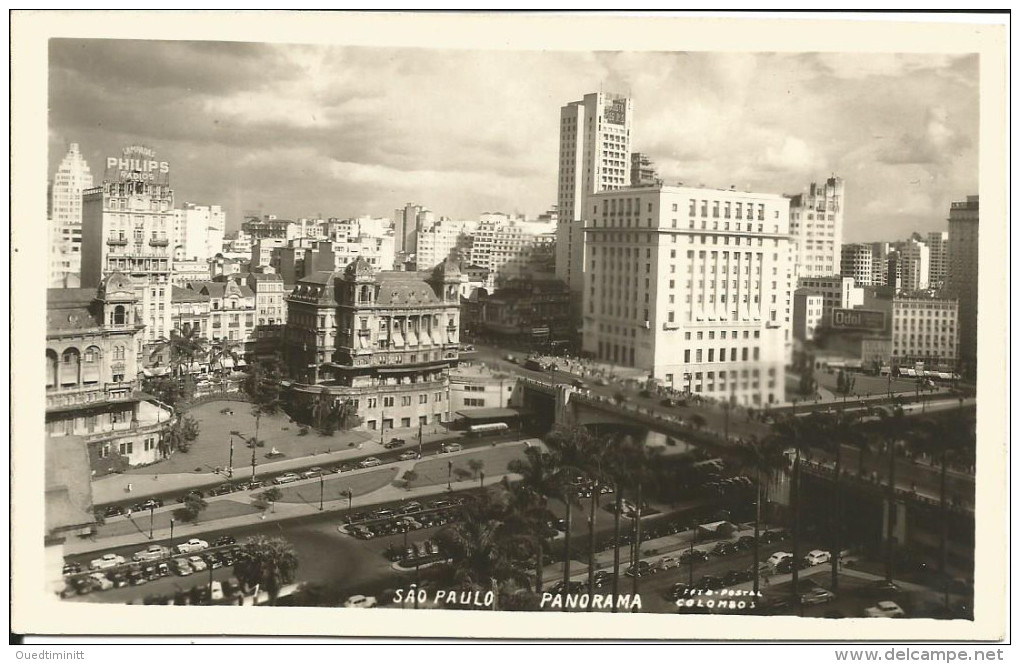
x=858 y=319
x=137 y=164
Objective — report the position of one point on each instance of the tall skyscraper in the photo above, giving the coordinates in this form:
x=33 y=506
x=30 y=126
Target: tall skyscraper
x=962 y=275
x=880 y=263
x=855 y=262
x=693 y=286
x=127 y=222
x=71 y=179
x=816 y=224
x=595 y=140
x=938 y=246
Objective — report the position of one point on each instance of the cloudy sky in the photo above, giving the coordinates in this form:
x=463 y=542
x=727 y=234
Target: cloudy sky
x=344 y=131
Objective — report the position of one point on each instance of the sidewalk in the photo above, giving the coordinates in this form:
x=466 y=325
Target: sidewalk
x=115 y=488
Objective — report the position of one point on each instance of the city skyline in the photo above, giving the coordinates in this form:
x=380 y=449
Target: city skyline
x=252 y=126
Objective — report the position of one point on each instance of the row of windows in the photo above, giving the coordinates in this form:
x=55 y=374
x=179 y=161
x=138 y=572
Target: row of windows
x=699 y=355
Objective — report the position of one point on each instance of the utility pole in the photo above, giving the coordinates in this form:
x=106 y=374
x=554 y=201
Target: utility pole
x=322 y=487
x=230 y=460
x=152 y=509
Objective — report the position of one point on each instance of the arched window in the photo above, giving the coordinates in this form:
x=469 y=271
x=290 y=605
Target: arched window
x=90 y=365
x=52 y=367
x=119 y=315
x=70 y=365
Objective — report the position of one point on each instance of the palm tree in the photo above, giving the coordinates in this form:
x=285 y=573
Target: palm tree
x=182 y=348
x=892 y=427
x=949 y=439
x=480 y=544
x=635 y=463
x=222 y=350
x=763 y=458
x=269 y=562
x=539 y=481
x=792 y=432
x=837 y=429
x=597 y=474
x=569 y=448
x=262 y=386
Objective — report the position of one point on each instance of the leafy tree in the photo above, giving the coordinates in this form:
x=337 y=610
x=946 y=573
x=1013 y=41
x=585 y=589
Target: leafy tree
x=168 y=390
x=410 y=477
x=194 y=505
x=476 y=466
x=179 y=436
x=267 y=562
x=697 y=421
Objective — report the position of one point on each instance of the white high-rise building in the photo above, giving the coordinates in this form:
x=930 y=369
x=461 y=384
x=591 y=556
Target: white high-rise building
x=444 y=239
x=856 y=262
x=692 y=285
x=71 y=179
x=127 y=223
x=913 y=259
x=816 y=224
x=407 y=221
x=594 y=156
x=198 y=232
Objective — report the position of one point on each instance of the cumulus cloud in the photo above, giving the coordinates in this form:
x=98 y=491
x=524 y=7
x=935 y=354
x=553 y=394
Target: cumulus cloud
x=302 y=130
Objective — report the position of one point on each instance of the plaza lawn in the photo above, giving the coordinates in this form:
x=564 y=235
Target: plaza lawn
x=435 y=470
x=864 y=384
x=139 y=521
x=212 y=448
x=335 y=486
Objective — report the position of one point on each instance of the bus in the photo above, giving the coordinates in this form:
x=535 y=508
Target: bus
x=493 y=428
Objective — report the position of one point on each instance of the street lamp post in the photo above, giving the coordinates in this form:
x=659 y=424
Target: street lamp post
x=419 y=438
x=449 y=476
x=230 y=461
x=152 y=509
x=382 y=426
x=350 y=502
x=171 y=535
x=322 y=488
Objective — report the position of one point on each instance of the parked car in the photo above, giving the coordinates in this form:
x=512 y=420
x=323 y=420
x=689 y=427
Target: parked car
x=882 y=588
x=197 y=563
x=724 y=549
x=778 y=557
x=710 y=583
x=119 y=579
x=137 y=577
x=816 y=596
x=83 y=585
x=817 y=557
x=192 y=545
x=642 y=568
x=360 y=602
x=216 y=591
x=152 y=552
x=409 y=455
x=286 y=478
x=678 y=591
x=370 y=462
x=181 y=567
x=574 y=587
x=71 y=568
x=112 y=511
x=395 y=443
x=225 y=540
x=602 y=578
x=256 y=484
x=785 y=566
x=100 y=581
x=885 y=609
x=107 y=561
x=668 y=562
x=311 y=472
x=451 y=447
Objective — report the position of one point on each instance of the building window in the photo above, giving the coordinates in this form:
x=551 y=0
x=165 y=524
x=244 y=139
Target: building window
x=387 y=402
